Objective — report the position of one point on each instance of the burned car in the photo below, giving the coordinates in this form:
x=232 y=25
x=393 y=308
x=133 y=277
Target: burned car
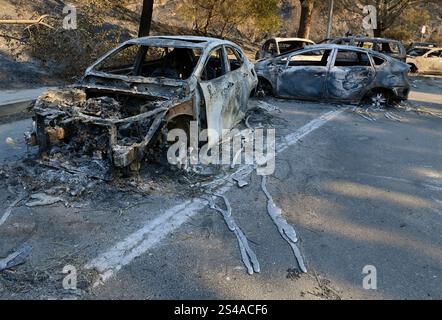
x=133 y=93
x=334 y=73
x=421 y=45
x=392 y=48
x=425 y=60
x=276 y=46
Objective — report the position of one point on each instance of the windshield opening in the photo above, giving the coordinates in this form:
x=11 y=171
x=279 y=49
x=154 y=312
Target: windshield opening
x=151 y=62
x=417 y=52
x=286 y=46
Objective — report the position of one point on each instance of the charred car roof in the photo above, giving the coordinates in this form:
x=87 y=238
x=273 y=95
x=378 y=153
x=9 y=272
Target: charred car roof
x=335 y=46
x=180 y=41
x=429 y=48
x=380 y=40
x=293 y=39
x=204 y=44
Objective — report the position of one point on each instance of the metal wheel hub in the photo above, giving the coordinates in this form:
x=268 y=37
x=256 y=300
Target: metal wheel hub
x=378 y=100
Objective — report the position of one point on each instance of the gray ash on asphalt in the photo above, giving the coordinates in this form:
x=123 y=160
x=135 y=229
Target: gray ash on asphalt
x=80 y=179
x=32 y=176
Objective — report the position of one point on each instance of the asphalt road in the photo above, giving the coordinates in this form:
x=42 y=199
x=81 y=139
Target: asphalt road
x=359 y=193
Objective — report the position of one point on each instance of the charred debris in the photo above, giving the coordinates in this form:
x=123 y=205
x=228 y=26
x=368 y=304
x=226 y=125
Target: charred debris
x=81 y=131
x=127 y=101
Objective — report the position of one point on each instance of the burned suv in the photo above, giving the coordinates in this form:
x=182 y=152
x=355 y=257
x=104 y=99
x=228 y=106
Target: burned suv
x=335 y=73
x=129 y=97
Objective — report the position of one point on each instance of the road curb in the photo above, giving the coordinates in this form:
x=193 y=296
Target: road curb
x=15 y=110
x=14 y=103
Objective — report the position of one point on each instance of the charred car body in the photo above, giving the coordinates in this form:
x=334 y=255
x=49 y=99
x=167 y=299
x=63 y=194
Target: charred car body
x=425 y=60
x=336 y=73
x=143 y=86
x=421 y=45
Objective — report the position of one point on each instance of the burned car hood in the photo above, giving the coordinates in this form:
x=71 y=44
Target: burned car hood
x=147 y=87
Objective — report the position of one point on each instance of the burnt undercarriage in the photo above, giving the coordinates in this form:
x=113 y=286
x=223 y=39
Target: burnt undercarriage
x=96 y=133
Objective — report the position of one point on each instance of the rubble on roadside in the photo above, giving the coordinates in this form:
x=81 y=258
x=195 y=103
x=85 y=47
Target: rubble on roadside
x=16 y=258
x=248 y=255
x=393 y=112
x=58 y=182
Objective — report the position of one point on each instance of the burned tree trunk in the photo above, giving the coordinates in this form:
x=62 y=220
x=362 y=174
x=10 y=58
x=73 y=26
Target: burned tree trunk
x=377 y=33
x=306 y=18
x=146 y=18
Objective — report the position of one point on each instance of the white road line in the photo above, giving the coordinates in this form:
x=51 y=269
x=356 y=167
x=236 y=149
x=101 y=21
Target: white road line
x=139 y=242
x=425 y=185
x=432 y=187
x=9 y=209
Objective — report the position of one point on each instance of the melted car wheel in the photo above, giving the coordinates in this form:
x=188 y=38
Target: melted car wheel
x=378 y=99
x=413 y=68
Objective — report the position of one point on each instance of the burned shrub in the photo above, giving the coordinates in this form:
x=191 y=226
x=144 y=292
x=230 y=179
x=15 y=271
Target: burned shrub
x=67 y=53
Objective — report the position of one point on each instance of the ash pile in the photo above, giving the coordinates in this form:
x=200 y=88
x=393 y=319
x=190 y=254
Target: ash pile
x=94 y=135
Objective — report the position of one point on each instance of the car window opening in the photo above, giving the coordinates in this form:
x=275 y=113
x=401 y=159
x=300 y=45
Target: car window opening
x=383 y=47
x=215 y=67
x=417 y=52
x=235 y=59
x=435 y=54
x=286 y=46
x=310 y=58
x=166 y=62
x=346 y=58
x=378 y=61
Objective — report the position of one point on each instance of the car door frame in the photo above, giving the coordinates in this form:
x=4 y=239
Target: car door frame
x=263 y=51
x=362 y=88
x=243 y=84
x=217 y=93
x=282 y=69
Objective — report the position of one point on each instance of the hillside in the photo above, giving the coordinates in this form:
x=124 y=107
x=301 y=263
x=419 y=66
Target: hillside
x=40 y=55
x=43 y=56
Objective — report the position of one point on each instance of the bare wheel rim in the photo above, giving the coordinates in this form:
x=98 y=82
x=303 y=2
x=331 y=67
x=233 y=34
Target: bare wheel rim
x=379 y=100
